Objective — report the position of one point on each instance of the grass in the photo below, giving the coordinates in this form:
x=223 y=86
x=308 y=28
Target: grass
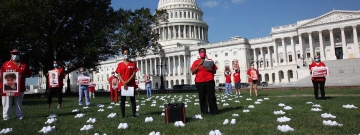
x=260 y=120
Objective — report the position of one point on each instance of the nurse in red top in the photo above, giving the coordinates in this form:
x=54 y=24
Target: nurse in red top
x=126 y=73
x=58 y=90
x=318 y=80
x=237 y=81
x=228 y=86
x=205 y=84
x=15 y=64
x=114 y=82
x=253 y=79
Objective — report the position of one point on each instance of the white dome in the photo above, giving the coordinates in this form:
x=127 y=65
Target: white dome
x=171 y=2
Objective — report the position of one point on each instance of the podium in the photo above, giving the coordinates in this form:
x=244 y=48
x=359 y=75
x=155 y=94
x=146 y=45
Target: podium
x=175 y=112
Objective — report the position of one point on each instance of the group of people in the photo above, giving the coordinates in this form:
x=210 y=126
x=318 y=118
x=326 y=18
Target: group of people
x=124 y=77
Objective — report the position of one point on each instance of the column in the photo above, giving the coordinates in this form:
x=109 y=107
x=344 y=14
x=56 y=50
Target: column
x=277 y=77
x=293 y=50
x=311 y=46
x=255 y=58
x=202 y=34
x=356 y=40
x=179 y=66
x=276 y=53
x=301 y=46
x=179 y=30
x=184 y=65
x=198 y=32
x=174 y=67
x=285 y=56
x=173 y=32
x=263 y=58
x=155 y=65
x=269 y=58
x=322 y=54
x=151 y=66
x=187 y=65
x=169 y=32
x=343 y=42
x=163 y=32
x=160 y=66
x=146 y=66
x=332 y=44
x=184 y=32
x=168 y=66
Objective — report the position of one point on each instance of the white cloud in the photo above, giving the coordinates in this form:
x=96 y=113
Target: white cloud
x=238 y=1
x=210 y=4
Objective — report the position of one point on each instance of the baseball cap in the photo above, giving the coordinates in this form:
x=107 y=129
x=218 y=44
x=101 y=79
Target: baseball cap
x=15 y=51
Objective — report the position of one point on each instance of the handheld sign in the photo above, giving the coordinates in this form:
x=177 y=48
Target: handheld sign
x=320 y=71
x=11 y=84
x=83 y=80
x=53 y=79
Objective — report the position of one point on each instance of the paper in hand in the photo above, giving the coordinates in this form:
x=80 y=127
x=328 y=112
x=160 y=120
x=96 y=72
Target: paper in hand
x=208 y=64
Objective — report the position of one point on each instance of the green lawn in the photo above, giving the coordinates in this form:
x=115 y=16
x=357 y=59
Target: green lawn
x=260 y=120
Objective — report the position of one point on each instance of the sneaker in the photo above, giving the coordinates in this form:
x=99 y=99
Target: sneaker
x=21 y=118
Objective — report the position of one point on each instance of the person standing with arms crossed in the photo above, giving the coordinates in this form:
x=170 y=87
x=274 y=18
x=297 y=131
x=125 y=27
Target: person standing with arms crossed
x=318 y=80
x=126 y=71
x=237 y=81
x=83 y=89
x=148 y=85
x=58 y=90
x=253 y=79
x=114 y=82
x=15 y=65
x=228 y=86
x=205 y=84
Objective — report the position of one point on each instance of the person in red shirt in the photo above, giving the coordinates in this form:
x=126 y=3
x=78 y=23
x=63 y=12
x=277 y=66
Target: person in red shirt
x=228 y=86
x=126 y=71
x=205 y=84
x=92 y=86
x=318 y=80
x=253 y=79
x=113 y=81
x=237 y=81
x=15 y=65
x=58 y=87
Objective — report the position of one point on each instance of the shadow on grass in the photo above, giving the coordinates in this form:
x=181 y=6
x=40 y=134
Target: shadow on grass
x=153 y=113
x=327 y=98
x=228 y=109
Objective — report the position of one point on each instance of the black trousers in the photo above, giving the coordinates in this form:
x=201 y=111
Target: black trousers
x=51 y=92
x=316 y=88
x=133 y=105
x=207 y=97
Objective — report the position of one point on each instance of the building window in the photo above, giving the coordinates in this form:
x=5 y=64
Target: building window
x=306 y=41
x=297 y=41
x=316 y=39
x=291 y=75
x=185 y=14
x=216 y=62
x=358 y=34
x=216 y=55
x=180 y=14
x=327 y=39
x=98 y=78
x=288 y=43
x=308 y=55
x=348 y=35
x=234 y=53
x=290 y=58
x=217 y=80
x=226 y=54
x=267 y=63
x=298 y=55
x=318 y=53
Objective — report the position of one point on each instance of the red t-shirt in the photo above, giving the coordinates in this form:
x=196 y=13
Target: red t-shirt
x=227 y=78
x=203 y=75
x=125 y=71
x=91 y=89
x=110 y=81
x=237 y=77
x=253 y=73
x=60 y=77
x=321 y=64
x=22 y=68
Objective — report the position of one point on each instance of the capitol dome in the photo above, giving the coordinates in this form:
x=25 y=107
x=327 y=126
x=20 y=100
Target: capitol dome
x=185 y=24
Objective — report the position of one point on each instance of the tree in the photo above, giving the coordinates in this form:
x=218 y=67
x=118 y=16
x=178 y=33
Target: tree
x=80 y=32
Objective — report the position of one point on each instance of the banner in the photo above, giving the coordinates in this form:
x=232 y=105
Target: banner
x=53 y=79
x=83 y=80
x=320 y=71
x=235 y=64
x=11 y=84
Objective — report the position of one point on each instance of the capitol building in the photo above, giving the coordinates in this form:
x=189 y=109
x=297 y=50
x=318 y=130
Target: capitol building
x=282 y=57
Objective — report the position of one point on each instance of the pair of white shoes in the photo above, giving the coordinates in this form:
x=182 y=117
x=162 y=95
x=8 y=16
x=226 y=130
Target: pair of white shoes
x=215 y=132
x=47 y=129
x=6 y=130
x=111 y=115
x=91 y=120
x=226 y=121
x=50 y=121
x=87 y=127
x=79 y=115
x=155 y=133
x=123 y=126
x=149 y=119
x=198 y=116
x=179 y=124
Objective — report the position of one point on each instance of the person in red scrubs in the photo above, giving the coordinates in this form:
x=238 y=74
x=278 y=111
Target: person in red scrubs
x=253 y=79
x=205 y=84
x=237 y=81
x=114 y=82
x=126 y=73
x=59 y=88
x=318 y=80
x=15 y=65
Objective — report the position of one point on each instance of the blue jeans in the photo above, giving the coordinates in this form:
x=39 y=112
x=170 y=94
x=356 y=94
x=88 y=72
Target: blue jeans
x=228 y=88
x=148 y=91
x=84 y=91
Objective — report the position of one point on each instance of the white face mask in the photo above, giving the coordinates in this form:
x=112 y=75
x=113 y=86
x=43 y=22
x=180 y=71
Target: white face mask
x=15 y=57
x=126 y=56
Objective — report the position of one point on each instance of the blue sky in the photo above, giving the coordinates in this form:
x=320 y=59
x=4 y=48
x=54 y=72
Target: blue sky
x=249 y=18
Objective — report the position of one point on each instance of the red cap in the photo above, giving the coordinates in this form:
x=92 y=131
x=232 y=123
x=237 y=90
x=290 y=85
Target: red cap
x=15 y=51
